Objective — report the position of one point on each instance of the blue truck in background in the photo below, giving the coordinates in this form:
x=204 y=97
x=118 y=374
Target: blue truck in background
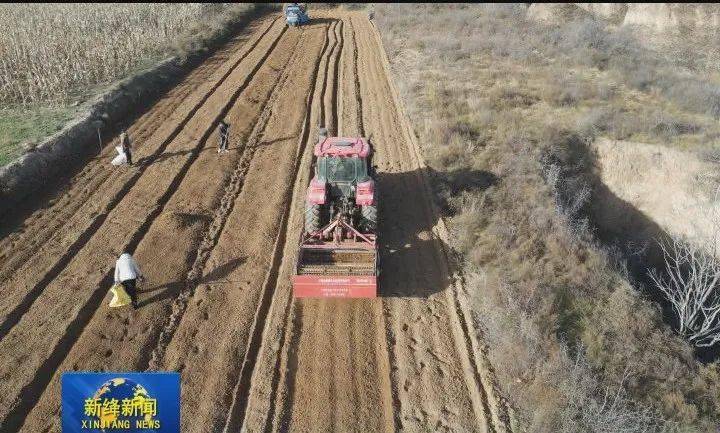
x=296 y=15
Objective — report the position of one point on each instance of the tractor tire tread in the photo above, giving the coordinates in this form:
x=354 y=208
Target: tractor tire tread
x=369 y=217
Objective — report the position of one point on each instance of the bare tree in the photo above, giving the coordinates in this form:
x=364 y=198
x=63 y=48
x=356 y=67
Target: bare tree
x=690 y=280
x=690 y=283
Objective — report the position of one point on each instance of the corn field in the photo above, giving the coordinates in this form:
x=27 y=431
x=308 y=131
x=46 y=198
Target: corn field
x=50 y=51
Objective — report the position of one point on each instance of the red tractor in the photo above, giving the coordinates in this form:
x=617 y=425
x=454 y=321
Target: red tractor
x=338 y=249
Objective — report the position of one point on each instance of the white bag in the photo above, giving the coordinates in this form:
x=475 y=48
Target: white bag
x=121 y=158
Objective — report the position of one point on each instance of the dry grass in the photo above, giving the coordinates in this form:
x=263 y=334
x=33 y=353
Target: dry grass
x=505 y=110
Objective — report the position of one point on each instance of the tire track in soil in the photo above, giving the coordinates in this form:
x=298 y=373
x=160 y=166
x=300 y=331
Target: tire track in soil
x=328 y=111
x=207 y=351
x=381 y=311
x=481 y=370
x=358 y=99
x=301 y=160
x=292 y=309
x=334 y=103
x=330 y=105
x=30 y=393
x=263 y=418
x=426 y=362
x=235 y=420
x=16 y=313
x=358 y=323
x=211 y=238
x=129 y=344
x=284 y=332
x=446 y=301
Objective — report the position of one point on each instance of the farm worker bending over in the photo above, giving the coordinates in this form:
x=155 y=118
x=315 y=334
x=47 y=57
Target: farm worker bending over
x=223 y=134
x=125 y=144
x=126 y=273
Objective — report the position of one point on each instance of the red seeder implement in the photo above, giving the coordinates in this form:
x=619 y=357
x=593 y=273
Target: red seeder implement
x=336 y=261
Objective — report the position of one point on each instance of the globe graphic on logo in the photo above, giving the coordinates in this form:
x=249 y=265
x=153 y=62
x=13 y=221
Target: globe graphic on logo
x=121 y=389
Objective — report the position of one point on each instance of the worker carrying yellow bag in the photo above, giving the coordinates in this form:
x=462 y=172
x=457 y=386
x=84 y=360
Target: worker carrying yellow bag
x=127 y=273
x=120 y=297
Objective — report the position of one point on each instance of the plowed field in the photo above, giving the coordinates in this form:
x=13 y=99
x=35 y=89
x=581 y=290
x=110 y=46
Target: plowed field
x=216 y=236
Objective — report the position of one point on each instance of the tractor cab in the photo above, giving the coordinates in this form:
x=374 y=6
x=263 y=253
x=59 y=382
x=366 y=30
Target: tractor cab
x=343 y=164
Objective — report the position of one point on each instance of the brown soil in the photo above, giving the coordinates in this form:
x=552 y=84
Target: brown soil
x=217 y=235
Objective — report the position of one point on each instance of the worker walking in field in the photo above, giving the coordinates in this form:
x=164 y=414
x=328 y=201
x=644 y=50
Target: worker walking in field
x=127 y=273
x=223 y=135
x=125 y=144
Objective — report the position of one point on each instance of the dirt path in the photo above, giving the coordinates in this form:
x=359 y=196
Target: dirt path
x=406 y=361
x=216 y=236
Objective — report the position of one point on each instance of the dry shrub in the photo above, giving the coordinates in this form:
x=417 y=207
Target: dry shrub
x=543 y=374
x=575 y=346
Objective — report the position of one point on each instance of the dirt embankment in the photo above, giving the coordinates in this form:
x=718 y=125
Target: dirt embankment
x=612 y=12
x=556 y=13
x=216 y=237
x=39 y=168
x=676 y=192
x=658 y=18
x=674 y=17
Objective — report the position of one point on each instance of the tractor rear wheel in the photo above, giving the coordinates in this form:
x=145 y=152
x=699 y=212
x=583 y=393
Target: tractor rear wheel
x=369 y=218
x=315 y=217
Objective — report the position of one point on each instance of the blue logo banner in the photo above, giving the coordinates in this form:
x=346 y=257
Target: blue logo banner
x=120 y=402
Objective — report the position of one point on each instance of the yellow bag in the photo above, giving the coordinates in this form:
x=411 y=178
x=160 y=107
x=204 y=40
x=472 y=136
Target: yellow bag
x=120 y=296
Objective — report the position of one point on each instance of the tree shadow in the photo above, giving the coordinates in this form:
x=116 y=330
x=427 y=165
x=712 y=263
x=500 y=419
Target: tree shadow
x=412 y=258
x=172 y=289
x=218 y=274
x=277 y=140
x=448 y=184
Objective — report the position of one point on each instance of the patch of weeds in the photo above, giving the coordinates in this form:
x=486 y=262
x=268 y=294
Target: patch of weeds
x=29 y=125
